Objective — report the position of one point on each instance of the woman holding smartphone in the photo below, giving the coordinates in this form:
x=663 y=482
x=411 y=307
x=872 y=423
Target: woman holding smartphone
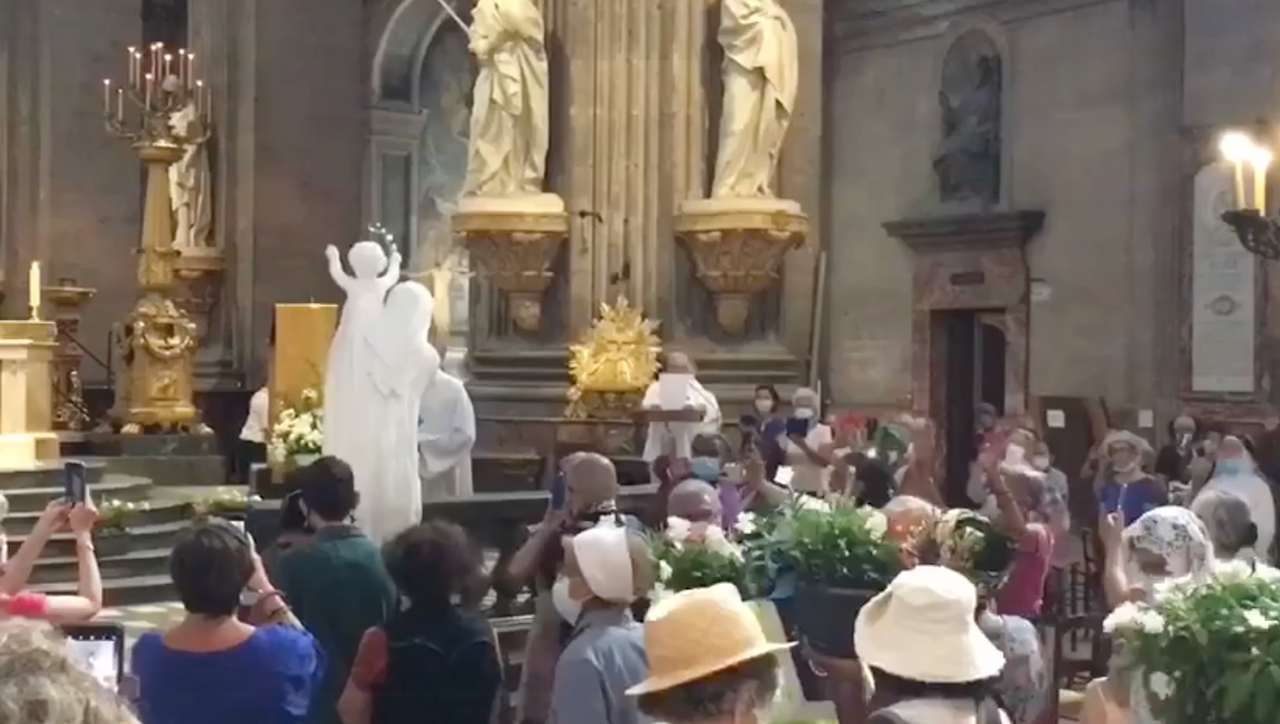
x=87 y=601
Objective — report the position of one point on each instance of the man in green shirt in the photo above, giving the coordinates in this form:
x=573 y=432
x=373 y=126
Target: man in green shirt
x=336 y=583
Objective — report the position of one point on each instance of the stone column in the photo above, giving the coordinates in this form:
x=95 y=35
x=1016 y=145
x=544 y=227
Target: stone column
x=209 y=37
x=632 y=120
x=295 y=129
x=71 y=192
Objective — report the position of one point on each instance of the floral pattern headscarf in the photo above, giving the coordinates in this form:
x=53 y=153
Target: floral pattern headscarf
x=968 y=543
x=1175 y=534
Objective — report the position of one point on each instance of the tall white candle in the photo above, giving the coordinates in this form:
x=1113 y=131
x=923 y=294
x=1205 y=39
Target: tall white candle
x=33 y=289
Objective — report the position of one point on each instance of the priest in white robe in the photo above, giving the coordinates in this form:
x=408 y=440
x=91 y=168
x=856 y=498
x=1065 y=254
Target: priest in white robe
x=446 y=435
x=675 y=438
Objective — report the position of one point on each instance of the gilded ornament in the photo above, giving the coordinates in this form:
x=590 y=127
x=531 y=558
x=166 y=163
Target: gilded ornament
x=515 y=253
x=614 y=363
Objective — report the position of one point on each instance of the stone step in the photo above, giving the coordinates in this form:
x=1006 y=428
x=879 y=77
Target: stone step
x=48 y=474
x=155 y=512
x=26 y=504
x=170 y=470
x=157 y=536
x=117 y=445
x=138 y=563
x=132 y=591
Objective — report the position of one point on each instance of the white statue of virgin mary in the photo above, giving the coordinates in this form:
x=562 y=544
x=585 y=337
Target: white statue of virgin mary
x=381 y=438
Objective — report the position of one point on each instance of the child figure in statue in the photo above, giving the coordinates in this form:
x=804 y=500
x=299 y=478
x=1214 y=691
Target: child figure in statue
x=375 y=274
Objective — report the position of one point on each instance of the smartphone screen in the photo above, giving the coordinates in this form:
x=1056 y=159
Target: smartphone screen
x=797 y=426
x=98 y=649
x=74 y=482
x=558 y=492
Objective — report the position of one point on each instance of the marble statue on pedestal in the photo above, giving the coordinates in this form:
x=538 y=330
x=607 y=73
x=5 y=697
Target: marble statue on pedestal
x=510 y=122
x=761 y=76
x=190 y=186
x=379 y=364
x=446 y=435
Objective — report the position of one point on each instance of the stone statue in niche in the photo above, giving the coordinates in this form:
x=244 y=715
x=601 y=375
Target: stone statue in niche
x=191 y=185
x=760 y=75
x=510 y=121
x=968 y=160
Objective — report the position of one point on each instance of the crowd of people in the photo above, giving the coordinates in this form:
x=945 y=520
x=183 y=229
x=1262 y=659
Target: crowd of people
x=334 y=628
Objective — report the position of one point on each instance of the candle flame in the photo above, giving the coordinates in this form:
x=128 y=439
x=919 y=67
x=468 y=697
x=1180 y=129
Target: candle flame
x=1236 y=146
x=1260 y=157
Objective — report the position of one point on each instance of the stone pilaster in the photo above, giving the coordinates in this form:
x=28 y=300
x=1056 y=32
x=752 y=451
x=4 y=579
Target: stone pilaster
x=631 y=120
x=1155 y=55
x=70 y=191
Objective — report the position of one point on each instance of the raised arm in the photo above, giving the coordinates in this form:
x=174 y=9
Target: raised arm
x=335 y=268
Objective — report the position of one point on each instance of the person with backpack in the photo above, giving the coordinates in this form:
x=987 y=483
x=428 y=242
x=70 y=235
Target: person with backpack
x=437 y=658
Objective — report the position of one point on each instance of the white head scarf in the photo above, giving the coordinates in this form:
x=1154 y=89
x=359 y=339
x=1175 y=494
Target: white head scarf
x=1175 y=534
x=604 y=558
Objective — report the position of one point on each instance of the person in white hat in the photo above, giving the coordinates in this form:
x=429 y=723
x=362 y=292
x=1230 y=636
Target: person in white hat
x=607 y=569
x=930 y=661
x=709 y=660
x=1128 y=489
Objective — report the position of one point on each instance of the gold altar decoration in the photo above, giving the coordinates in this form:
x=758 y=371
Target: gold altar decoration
x=614 y=363
x=200 y=273
x=737 y=247
x=515 y=252
x=158 y=340
x=300 y=353
x=68 y=299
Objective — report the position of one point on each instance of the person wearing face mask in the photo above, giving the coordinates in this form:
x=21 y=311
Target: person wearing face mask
x=710 y=661
x=606 y=570
x=1127 y=489
x=1056 y=502
x=763 y=429
x=808 y=445
x=673 y=438
x=591 y=490
x=1235 y=473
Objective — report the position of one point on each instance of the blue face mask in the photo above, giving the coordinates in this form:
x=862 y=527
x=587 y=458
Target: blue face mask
x=706 y=469
x=1229 y=467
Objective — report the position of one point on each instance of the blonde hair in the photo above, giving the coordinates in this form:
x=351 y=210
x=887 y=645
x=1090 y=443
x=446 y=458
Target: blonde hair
x=41 y=684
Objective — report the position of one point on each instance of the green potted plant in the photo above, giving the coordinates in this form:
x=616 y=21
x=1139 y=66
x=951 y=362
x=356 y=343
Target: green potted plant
x=840 y=558
x=113 y=534
x=696 y=555
x=1206 y=651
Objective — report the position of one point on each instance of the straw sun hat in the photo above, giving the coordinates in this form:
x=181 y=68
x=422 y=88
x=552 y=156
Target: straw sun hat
x=922 y=628
x=697 y=633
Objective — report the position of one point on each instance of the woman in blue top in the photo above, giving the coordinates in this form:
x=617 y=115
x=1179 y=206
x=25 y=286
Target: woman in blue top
x=212 y=668
x=1128 y=489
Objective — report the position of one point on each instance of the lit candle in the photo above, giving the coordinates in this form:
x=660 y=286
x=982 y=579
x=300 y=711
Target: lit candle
x=33 y=289
x=1260 y=160
x=106 y=96
x=191 y=70
x=133 y=67
x=120 y=104
x=1236 y=148
x=182 y=67
x=135 y=79
x=168 y=60
x=146 y=91
x=200 y=99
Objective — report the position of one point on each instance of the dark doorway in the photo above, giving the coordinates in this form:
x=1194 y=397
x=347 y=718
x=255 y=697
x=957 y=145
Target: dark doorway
x=974 y=372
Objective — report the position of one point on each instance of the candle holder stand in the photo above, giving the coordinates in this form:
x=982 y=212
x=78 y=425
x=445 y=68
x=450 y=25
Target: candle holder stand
x=1257 y=233
x=158 y=339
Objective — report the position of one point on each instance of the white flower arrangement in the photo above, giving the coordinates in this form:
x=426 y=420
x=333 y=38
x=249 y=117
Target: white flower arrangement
x=299 y=431
x=1207 y=649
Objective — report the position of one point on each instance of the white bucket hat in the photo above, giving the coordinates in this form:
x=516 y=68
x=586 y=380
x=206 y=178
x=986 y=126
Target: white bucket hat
x=922 y=628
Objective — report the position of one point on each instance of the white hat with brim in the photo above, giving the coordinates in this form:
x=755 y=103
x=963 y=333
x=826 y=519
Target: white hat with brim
x=696 y=633
x=922 y=628
x=1124 y=437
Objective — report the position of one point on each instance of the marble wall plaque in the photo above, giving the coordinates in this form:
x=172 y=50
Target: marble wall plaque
x=1223 y=292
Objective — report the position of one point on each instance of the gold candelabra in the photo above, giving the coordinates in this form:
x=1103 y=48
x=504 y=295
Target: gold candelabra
x=159 y=110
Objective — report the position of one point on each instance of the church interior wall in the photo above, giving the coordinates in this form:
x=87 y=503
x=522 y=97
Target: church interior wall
x=1068 y=128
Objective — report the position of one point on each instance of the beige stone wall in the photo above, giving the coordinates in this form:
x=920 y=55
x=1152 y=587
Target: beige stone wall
x=1089 y=138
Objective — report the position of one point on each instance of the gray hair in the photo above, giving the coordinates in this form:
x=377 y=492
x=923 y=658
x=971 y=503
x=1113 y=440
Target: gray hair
x=804 y=393
x=1228 y=520
x=41 y=684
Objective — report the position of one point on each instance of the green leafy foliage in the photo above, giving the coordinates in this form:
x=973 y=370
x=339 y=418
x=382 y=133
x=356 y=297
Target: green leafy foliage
x=843 y=547
x=1208 y=652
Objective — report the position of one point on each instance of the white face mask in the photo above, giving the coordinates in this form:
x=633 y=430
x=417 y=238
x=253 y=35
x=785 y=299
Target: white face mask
x=804 y=413
x=764 y=407
x=568 y=608
x=1040 y=462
